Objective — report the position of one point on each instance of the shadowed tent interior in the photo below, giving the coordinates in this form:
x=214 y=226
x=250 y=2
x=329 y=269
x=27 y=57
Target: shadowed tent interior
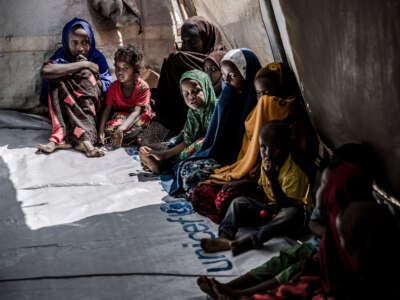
x=74 y=229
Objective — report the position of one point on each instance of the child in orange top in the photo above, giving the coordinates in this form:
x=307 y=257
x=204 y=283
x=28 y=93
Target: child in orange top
x=129 y=98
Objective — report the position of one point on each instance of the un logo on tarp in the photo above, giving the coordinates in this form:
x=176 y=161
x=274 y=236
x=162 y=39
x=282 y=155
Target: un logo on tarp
x=177 y=207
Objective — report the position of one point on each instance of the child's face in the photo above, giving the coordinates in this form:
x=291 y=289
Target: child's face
x=124 y=72
x=232 y=76
x=272 y=149
x=264 y=86
x=192 y=93
x=78 y=42
x=192 y=44
x=213 y=71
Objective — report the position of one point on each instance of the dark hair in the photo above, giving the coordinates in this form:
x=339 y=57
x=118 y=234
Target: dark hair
x=277 y=129
x=130 y=54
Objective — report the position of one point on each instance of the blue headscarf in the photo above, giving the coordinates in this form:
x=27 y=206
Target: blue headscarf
x=224 y=135
x=64 y=56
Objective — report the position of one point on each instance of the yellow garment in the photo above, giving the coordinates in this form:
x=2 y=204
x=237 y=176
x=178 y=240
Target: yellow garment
x=267 y=109
x=293 y=181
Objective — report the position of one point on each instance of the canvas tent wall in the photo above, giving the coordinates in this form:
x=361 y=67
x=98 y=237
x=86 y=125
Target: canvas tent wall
x=345 y=57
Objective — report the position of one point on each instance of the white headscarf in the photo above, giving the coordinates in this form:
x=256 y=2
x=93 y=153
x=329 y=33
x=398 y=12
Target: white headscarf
x=236 y=57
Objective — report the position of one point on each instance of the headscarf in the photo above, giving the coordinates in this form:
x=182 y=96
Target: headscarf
x=216 y=57
x=225 y=131
x=197 y=120
x=282 y=78
x=236 y=56
x=224 y=136
x=206 y=31
x=64 y=56
x=267 y=109
x=347 y=183
x=190 y=30
x=169 y=106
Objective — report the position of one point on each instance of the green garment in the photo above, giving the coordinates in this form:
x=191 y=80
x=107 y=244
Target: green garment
x=197 y=120
x=284 y=266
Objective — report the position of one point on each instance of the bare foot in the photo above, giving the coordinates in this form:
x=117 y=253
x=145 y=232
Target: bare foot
x=242 y=245
x=223 y=292
x=47 y=148
x=52 y=146
x=205 y=285
x=80 y=147
x=215 y=245
x=95 y=152
x=89 y=149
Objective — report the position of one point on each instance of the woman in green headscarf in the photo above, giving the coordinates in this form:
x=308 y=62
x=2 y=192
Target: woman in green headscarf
x=198 y=93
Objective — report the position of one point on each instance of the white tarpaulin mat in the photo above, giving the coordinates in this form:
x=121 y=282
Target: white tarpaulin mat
x=78 y=228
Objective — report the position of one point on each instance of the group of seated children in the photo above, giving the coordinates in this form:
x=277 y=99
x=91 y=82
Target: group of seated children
x=238 y=152
x=354 y=239
x=77 y=80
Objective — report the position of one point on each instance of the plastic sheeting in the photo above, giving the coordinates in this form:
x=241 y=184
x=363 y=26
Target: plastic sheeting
x=79 y=228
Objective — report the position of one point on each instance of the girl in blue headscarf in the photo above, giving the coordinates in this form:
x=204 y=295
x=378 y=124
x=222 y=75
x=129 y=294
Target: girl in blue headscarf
x=76 y=77
x=224 y=136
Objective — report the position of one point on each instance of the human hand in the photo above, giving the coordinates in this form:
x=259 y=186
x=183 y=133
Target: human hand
x=81 y=57
x=145 y=150
x=116 y=138
x=91 y=66
x=271 y=170
x=101 y=138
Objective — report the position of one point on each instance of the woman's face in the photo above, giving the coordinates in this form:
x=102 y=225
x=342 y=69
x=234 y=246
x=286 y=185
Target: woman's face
x=213 y=71
x=78 y=42
x=124 y=71
x=192 y=93
x=232 y=76
x=192 y=44
x=264 y=86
